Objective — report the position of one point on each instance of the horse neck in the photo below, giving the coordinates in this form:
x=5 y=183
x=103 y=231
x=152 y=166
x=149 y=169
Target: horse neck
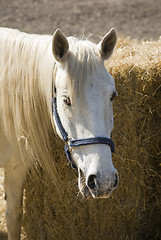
x=41 y=80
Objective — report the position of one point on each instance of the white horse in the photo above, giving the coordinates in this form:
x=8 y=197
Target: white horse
x=34 y=71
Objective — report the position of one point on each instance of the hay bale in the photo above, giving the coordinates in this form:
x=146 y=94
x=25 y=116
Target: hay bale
x=134 y=210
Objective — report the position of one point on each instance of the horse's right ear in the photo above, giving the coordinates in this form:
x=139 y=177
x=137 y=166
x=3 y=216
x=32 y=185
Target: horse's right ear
x=60 y=46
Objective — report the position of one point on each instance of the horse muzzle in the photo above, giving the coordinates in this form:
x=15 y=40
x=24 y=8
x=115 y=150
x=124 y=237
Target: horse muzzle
x=97 y=187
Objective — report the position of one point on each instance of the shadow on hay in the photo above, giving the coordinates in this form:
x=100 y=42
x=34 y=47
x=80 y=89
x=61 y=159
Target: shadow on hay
x=3 y=235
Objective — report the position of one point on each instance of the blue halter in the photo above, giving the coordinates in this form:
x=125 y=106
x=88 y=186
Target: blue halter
x=76 y=142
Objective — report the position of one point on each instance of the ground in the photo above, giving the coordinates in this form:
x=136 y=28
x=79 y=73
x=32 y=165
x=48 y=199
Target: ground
x=135 y=18
x=86 y=18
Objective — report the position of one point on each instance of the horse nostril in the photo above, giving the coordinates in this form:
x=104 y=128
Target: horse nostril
x=91 y=183
x=116 y=180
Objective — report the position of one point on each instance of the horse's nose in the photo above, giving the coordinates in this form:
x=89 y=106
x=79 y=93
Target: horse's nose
x=92 y=181
x=94 y=184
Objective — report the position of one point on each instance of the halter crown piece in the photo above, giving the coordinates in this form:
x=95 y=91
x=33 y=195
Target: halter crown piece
x=69 y=143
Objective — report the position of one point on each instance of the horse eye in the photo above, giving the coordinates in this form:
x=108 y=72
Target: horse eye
x=113 y=96
x=67 y=101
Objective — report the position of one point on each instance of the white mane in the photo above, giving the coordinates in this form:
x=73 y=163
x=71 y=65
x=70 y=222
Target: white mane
x=26 y=68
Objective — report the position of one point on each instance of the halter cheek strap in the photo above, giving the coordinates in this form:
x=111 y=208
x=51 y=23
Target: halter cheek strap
x=55 y=114
x=76 y=142
x=63 y=133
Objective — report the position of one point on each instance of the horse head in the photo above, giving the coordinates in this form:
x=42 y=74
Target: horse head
x=83 y=93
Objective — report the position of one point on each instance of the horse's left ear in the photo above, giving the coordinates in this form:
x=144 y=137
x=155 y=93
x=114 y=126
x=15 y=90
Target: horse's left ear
x=107 y=44
x=60 y=46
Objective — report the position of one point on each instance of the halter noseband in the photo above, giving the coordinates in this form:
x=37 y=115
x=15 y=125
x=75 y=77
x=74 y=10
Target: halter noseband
x=69 y=144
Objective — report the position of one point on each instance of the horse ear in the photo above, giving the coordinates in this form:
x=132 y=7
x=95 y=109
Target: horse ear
x=107 y=44
x=60 y=46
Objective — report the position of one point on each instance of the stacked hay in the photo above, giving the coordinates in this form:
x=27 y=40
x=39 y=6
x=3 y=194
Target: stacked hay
x=134 y=210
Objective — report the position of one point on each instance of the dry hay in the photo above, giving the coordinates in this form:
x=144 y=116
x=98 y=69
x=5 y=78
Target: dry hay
x=134 y=210
x=3 y=234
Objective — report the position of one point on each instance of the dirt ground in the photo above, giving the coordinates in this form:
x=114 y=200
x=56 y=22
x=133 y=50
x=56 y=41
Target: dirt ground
x=90 y=18
x=136 y=18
